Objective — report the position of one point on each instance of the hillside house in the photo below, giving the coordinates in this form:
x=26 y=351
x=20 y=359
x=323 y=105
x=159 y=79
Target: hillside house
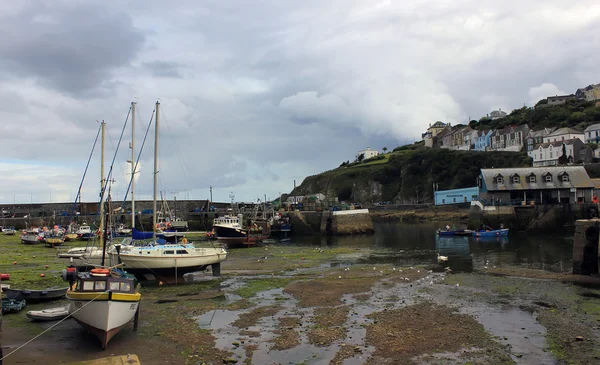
x=469 y=138
x=482 y=141
x=368 y=153
x=535 y=185
x=588 y=93
x=434 y=129
x=548 y=154
x=445 y=137
x=563 y=134
x=510 y=139
x=560 y=99
x=592 y=134
x=497 y=114
x=536 y=138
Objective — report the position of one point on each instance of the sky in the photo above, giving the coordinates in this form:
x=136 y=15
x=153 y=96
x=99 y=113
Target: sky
x=256 y=95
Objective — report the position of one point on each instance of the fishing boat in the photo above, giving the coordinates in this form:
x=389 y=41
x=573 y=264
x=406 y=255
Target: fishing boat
x=50 y=314
x=229 y=229
x=102 y=300
x=491 y=233
x=71 y=233
x=30 y=237
x=12 y=305
x=158 y=255
x=36 y=295
x=84 y=232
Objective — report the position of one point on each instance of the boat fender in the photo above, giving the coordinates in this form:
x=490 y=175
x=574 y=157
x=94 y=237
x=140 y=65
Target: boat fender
x=184 y=240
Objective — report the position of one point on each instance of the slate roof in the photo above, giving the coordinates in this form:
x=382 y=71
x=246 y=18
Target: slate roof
x=565 y=130
x=593 y=127
x=578 y=178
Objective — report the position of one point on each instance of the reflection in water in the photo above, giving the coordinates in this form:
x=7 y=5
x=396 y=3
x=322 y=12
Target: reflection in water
x=417 y=244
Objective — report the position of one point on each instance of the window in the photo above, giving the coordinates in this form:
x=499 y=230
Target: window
x=589 y=134
x=516 y=179
x=169 y=252
x=182 y=252
x=550 y=154
x=114 y=285
x=565 y=177
x=443 y=201
x=100 y=285
x=499 y=180
x=126 y=287
x=532 y=179
x=454 y=200
x=88 y=285
x=548 y=178
x=563 y=138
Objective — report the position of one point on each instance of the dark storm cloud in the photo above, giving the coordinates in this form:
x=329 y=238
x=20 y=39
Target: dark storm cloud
x=70 y=47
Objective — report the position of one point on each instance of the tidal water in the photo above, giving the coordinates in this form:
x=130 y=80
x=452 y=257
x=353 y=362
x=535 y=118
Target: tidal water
x=418 y=244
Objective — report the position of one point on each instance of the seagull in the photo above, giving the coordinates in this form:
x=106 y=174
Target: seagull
x=448 y=270
x=373 y=267
x=431 y=282
x=441 y=258
x=456 y=285
x=393 y=268
x=339 y=277
x=418 y=270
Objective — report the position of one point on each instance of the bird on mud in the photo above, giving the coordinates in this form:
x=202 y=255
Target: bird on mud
x=448 y=270
x=441 y=258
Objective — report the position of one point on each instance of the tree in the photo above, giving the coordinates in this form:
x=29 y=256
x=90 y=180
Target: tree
x=562 y=160
x=360 y=157
x=384 y=149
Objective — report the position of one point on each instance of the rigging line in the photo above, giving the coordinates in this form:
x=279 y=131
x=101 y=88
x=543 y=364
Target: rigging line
x=115 y=149
x=54 y=325
x=190 y=181
x=84 y=173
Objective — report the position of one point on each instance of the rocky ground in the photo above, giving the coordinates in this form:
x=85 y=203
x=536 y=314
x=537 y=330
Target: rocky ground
x=300 y=305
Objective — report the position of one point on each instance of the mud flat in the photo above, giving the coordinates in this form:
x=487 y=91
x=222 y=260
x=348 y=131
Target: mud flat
x=303 y=305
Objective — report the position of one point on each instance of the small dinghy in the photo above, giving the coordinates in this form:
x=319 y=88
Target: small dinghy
x=50 y=314
x=36 y=295
x=12 y=305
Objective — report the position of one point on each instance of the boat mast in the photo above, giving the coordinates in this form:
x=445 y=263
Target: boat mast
x=102 y=182
x=156 y=118
x=132 y=145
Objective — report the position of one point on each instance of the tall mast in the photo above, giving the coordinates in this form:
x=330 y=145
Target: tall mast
x=102 y=182
x=156 y=118
x=132 y=145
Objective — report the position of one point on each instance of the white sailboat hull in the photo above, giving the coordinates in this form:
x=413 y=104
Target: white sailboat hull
x=151 y=259
x=84 y=256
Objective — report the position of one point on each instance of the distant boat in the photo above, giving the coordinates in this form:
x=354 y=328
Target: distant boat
x=54 y=237
x=9 y=231
x=30 y=237
x=460 y=232
x=229 y=229
x=50 y=314
x=491 y=233
x=84 y=232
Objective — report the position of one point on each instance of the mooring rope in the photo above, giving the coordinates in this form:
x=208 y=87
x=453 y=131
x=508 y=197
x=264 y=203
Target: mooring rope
x=51 y=327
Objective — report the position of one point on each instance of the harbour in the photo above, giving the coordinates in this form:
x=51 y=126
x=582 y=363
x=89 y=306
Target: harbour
x=238 y=316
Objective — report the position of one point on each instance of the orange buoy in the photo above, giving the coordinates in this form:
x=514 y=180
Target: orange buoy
x=99 y=272
x=303 y=258
x=42 y=275
x=14 y=263
x=46 y=266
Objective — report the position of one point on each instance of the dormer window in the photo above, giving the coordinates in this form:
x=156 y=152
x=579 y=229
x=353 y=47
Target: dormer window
x=564 y=177
x=531 y=178
x=548 y=177
x=516 y=179
x=499 y=179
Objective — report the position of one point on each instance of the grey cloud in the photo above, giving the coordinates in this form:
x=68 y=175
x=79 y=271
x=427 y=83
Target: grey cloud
x=70 y=47
x=163 y=69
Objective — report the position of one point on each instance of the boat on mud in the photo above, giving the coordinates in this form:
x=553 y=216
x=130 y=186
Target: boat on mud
x=36 y=295
x=31 y=236
x=50 y=314
x=12 y=305
x=229 y=229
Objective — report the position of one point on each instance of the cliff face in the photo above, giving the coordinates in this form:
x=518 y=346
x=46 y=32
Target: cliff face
x=407 y=175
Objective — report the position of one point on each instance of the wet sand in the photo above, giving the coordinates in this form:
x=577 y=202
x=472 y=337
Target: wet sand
x=303 y=306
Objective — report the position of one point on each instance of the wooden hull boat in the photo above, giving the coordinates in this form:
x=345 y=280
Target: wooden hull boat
x=36 y=295
x=51 y=314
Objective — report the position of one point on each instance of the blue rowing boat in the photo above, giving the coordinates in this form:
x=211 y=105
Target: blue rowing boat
x=492 y=233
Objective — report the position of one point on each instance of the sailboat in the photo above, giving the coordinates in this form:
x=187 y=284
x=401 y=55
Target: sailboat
x=102 y=300
x=159 y=256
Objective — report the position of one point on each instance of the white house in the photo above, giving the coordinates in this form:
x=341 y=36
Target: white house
x=592 y=133
x=564 y=134
x=547 y=154
x=368 y=153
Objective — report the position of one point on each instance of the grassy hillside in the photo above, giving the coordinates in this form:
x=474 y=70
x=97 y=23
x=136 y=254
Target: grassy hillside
x=407 y=172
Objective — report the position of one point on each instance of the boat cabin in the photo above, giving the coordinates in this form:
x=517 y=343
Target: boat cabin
x=92 y=283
